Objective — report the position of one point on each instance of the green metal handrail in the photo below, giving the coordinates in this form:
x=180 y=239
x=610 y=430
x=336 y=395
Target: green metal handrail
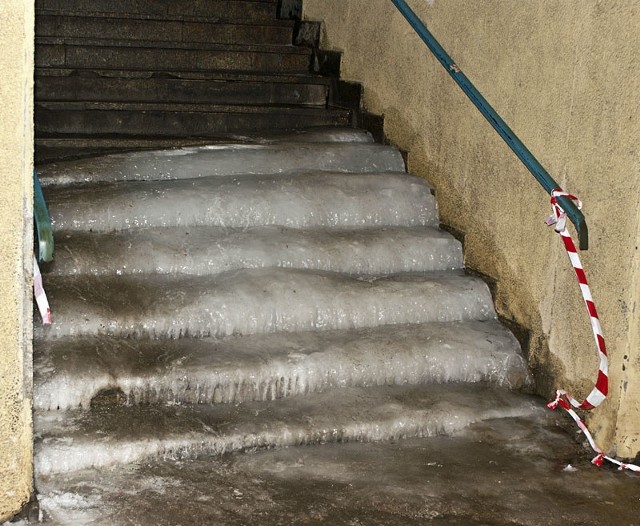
x=43 y=222
x=509 y=137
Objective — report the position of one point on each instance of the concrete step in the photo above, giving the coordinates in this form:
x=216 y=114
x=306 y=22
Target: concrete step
x=211 y=250
x=131 y=86
x=70 y=372
x=156 y=56
x=310 y=200
x=110 y=436
x=58 y=149
x=222 y=9
x=228 y=159
x=165 y=28
x=257 y=302
x=176 y=120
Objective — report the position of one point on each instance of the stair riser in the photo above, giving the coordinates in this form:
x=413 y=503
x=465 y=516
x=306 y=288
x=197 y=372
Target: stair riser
x=177 y=124
x=144 y=58
x=226 y=10
x=160 y=30
x=70 y=374
x=175 y=90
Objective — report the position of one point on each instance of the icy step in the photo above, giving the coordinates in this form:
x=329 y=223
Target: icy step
x=257 y=301
x=58 y=148
x=212 y=250
x=524 y=471
x=74 y=440
x=316 y=200
x=225 y=159
x=70 y=372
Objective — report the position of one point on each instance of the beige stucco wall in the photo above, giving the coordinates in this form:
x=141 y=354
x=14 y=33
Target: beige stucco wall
x=16 y=159
x=565 y=74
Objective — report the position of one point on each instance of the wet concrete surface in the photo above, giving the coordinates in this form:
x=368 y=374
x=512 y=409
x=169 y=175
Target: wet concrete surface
x=510 y=471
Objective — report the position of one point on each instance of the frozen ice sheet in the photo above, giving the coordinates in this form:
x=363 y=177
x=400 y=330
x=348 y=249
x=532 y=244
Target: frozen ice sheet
x=497 y=472
x=257 y=301
x=74 y=440
x=304 y=200
x=69 y=372
x=209 y=250
x=225 y=159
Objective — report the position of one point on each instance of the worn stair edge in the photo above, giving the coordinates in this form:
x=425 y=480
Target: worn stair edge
x=70 y=441
x=225 y=160
x=256 y=302
x=177 y=91
x=70 y=372
x=320 y=200
x=212 y=250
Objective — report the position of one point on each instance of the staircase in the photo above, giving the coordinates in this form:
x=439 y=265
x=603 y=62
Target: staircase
x=273 y=279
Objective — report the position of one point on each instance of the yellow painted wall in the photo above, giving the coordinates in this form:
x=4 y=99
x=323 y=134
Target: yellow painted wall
x=16 y=224
x=565 y=75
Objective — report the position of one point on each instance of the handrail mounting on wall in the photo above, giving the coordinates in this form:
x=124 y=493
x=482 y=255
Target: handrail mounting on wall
x=512 y=140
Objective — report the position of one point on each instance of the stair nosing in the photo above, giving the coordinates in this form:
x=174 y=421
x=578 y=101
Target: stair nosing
x=213 y=76
x=276 y=49
x=168 y=17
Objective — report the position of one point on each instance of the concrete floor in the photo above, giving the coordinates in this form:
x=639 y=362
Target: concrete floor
x=509 y=471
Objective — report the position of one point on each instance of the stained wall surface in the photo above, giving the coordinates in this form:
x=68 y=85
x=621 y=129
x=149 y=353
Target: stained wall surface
x=565 y=75
x=16 y=161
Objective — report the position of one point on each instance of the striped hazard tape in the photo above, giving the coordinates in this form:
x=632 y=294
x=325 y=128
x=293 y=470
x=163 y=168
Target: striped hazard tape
x=599 y=393
x=38 y=292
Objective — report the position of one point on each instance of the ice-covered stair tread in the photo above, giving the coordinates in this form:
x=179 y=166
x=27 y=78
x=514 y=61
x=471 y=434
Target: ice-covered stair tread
x=209 y=250
x=70 y=372
x=258 y=301
x=73 y=440
x=226 y=159
x=297 y=201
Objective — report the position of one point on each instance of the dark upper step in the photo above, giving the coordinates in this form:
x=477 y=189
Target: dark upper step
x=169 y=28
x=176 y=120
x=154 y=55
x=221 y=9
x=144 y=86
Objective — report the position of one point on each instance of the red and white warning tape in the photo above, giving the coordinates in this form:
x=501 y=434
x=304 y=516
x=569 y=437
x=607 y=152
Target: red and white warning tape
x=38 y=292
x=599 y=393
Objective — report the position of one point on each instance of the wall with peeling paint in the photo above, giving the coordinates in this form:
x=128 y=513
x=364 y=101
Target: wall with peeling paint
x=16 y=224
x=566 y=77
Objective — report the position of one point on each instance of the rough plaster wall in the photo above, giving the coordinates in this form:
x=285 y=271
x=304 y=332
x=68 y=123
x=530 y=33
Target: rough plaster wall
x=16 y=158
x=565 y=75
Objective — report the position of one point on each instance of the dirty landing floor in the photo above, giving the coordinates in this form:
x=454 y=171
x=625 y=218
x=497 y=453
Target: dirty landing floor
x=507 y=471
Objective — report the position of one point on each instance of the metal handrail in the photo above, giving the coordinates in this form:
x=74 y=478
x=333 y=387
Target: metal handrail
x=509 y=137
x=43 y=222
